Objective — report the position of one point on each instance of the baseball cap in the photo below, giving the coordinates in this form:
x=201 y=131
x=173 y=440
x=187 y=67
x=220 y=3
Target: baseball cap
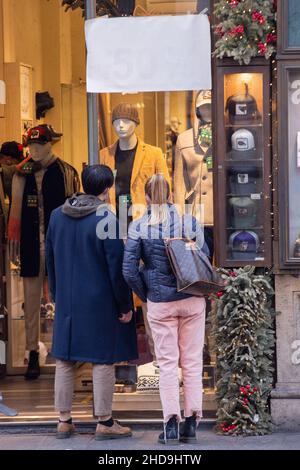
x=243 y=145
x=203 y=106
x=244 y=245
x=244 y=180
x=39 y=135
x=242 y=108
x=243 y=212
x=55 y=135
x=12 y=149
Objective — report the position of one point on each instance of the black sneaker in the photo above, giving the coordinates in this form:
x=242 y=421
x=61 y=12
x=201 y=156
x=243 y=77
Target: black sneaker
x=33 y=369
x=188 y=430
x=171 y=432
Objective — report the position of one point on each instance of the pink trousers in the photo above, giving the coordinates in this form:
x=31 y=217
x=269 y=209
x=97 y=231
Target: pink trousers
x=178 y=334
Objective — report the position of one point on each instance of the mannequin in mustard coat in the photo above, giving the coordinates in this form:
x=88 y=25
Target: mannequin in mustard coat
x=133 y=163
x=141 y=160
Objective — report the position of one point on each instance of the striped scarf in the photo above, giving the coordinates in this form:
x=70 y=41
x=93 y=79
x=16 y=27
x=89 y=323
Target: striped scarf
x=18 y=185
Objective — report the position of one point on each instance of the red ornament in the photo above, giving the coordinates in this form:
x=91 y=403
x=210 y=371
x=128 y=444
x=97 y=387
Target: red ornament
x=237 y=30
x=219 y=31
x=256 y=16
x=234 y=3
x=271 y=38
x=232 y=274
x=219 y=294
x=262 y=48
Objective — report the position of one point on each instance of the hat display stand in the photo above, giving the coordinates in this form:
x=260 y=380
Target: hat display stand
x=243 y=162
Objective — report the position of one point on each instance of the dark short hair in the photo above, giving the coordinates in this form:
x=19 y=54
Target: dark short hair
x=96 y=179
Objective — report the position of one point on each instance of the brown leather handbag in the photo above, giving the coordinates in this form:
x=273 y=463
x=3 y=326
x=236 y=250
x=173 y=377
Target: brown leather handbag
x=194 y=273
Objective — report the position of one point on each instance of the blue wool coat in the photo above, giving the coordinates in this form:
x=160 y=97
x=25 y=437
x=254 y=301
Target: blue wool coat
x=86 y=282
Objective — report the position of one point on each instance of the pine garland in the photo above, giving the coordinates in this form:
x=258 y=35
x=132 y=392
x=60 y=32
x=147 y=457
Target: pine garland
x=246 y=29
x=243 y=332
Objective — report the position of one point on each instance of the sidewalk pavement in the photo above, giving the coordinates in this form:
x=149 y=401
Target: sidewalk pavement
x=145 y=438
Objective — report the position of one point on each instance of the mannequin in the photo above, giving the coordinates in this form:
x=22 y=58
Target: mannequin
x=133 y=163
x=172 y=133
x=193 y=181
x=193 y=177
x=40 y=184
x=11 y=153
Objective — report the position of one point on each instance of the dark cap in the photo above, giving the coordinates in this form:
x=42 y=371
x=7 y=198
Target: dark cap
x=12 y=149
x=243 y=212
x=242 y=108
x=244 y=245
x=39 y=135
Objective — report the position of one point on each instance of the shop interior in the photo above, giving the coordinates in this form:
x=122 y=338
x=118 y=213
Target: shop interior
x=167 y=119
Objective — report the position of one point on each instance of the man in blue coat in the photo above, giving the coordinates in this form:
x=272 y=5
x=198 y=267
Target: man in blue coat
x=93 y=321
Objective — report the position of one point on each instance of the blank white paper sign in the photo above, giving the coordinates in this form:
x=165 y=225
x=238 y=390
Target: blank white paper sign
x=154 y=53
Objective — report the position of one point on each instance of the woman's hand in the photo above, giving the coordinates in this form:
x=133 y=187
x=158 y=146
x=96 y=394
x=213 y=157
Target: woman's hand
x=126 y=317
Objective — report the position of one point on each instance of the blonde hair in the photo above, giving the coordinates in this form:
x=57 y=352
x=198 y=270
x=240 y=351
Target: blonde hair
x=157 y=189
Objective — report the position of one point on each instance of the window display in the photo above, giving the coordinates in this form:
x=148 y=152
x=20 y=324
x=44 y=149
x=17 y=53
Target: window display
x=289 y=165
x=166 y=121
x=243 y=164
x=293 y=23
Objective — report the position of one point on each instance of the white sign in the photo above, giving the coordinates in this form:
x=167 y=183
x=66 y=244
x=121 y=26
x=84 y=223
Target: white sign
x=154 y=53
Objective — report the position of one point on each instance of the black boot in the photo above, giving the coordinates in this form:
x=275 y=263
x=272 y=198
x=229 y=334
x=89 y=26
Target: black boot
x=33 y=369
x=170 y=435
x=188 y=430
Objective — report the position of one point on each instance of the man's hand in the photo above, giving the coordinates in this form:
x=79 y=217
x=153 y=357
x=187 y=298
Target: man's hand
x=14 y=251
x=126 y=317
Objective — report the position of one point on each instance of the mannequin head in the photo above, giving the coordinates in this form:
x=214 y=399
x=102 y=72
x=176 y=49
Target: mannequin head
x=39 y=140
x=203 y=107
x=39 y=152
x=125 y=119
x=124 y=128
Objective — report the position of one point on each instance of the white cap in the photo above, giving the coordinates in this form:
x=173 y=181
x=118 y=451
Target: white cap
x=242 y=140
x=203 y=97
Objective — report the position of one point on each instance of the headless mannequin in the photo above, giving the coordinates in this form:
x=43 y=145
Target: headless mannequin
x=193 y=183
x=193 y=174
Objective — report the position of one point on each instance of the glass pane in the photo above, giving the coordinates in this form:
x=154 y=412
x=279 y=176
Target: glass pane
x=180 y=124
x=243 y=110
x=170 y=7
x=294 y=23
x=18 y=339
x=294 y=161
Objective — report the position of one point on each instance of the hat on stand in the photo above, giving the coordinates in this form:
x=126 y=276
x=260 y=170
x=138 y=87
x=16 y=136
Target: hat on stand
x=243 y=145
x=244 y=180
x=244 y=245
x=242 y=108
x=243 y=212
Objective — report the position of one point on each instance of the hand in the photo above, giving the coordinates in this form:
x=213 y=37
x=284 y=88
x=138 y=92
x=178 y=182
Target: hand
x=126 y=317
x=14 y=251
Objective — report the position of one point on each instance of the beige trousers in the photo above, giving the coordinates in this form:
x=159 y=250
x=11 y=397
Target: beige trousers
x=33 y=287
x=148 y=331
x=103 y=387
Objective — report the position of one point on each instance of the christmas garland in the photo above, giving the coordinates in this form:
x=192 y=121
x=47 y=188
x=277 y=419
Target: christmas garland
x=246 y=29
x=243 y=332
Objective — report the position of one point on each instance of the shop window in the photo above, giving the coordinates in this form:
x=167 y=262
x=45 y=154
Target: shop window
x=289 y=164
x=243 y=167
